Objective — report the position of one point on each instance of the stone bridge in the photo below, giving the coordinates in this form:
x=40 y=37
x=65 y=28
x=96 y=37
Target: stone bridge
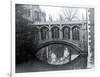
x=73 y=33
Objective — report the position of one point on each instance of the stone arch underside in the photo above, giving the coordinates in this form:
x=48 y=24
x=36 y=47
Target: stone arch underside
x=60 y=42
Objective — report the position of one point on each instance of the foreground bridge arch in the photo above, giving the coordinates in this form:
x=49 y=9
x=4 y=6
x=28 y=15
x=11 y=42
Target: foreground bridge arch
x=60 y=42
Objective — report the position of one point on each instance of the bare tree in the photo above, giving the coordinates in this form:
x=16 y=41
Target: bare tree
x=61 y=18
x=70 y=14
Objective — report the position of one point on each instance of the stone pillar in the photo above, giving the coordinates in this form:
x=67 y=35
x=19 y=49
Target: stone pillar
x=82 y=35
x=60 y=32
x=50 y=32
x=39 y=35
x=71 y=38
x=47 y=52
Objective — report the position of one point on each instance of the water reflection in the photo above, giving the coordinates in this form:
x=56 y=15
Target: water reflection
x=57 y=54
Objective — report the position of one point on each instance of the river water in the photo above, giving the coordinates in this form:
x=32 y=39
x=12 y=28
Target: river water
x=57 y=54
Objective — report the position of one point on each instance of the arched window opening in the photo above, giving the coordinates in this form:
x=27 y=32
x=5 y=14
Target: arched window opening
x=35 y=34
x=66 y=33
x=55 y=32
x=44 y=33
x=75 y=33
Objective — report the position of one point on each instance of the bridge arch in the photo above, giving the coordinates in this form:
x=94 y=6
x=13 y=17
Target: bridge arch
x=42 y=26
x=76 y=26
x=58 y=42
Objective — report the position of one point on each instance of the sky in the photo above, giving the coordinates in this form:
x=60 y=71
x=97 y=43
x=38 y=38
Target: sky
x=56 y=11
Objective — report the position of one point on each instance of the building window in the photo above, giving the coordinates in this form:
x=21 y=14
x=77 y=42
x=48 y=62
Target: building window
x=75 y=33
x=66 y=33
x=44 y=33
x=35 y=33
x=55 y=32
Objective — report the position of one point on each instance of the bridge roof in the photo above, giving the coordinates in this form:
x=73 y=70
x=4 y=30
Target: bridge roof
x=67 y=22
